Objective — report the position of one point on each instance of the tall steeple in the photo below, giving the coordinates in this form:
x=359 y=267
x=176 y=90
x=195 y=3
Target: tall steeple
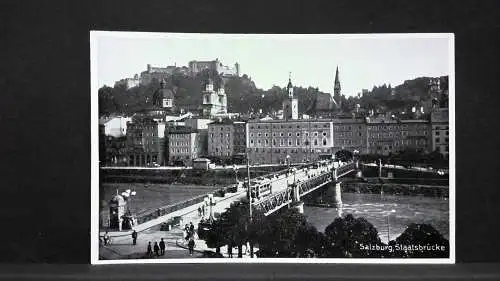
x=289 y=87
x=337 y=89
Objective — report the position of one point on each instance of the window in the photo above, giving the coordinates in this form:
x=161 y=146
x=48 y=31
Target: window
x=289 y=142
x=315 y=142
x=437 y=139
x=281 y=134
x=274 y=142
x=251 y=142
x=446 y=140
x=274 y=134
x=360 y=134
x=437 y=133
x=258 y=141
x=324 y=141
x=447 y=133
x=251 y=134
x=324 y=134
x=325 y=125
x=298 y=134
x=259 y=134
x=297 y=142
x=315 y=134
x=267 y=142
x=267 y=135
x=298 y=126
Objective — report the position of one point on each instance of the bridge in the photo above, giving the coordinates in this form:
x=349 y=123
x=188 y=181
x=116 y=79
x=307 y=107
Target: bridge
x=287 y=190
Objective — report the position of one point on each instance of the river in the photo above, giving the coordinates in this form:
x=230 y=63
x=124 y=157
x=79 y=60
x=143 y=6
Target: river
x=376 y=207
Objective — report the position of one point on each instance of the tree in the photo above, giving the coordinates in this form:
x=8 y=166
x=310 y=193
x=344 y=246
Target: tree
x=424 y=235
x=346 y=237
x=344 y=155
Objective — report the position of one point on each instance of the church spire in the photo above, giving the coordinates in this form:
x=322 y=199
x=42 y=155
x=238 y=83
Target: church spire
x=289 y=87
x=336 y=86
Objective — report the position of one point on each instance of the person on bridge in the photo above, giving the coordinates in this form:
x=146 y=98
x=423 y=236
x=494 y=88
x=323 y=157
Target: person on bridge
x=157 y=249
x=191 y=228
x=149 y=252
x=162 y=247
x=199 y=211
x=191 y=246
x=134 y=237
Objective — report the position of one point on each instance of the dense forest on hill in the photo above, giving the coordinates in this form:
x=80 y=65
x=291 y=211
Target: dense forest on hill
x=243 y=96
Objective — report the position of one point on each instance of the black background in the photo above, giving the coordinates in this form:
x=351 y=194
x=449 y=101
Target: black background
x=45 y=113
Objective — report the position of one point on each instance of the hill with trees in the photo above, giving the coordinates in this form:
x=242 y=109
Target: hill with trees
x=244 y=96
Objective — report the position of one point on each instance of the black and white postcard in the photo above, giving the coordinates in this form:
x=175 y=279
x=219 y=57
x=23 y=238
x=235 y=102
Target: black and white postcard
x=248 y=148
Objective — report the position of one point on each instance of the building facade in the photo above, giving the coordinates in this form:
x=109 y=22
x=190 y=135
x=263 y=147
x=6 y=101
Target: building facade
x=225 y=71
x=226 y=139
x=295 y=141
x=115 y=126
x=349 y=134
x=146 y=142
x=129 y=82
x=440 y=131
x=184 y=145
x=389 y=136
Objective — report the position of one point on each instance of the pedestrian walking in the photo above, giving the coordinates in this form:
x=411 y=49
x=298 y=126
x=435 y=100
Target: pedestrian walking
x=191 y=246
x=149 y=252
x=134 y=237
x=203 y=210
x=162 y=247
x=191 y=228
x=156 y=249
x=199 y=211
x=230 y=250
x=106 y=238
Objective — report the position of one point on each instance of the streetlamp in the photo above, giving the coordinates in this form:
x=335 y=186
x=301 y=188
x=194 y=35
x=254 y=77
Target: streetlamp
x=355 y=153
x=389 y=225
x=211 y=202
x=288 y=162
x=379 y=168
x=235 y=169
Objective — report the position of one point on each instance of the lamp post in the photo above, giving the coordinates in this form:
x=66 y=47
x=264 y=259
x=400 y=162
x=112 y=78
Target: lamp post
x=355 y=158
x=235 y=169
x=389 y=225
x=211 y=202
x=288 y=162
x=379 y=168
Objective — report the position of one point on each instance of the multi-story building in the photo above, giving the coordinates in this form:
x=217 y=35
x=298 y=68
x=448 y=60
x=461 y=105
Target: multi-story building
x=440 y=131
x=299 y=141
x=214 y=102
x=225 y=71
x=349 y=134
x=388 y=136
x=226 y=139
x=115 y=126
x=145 y=142
x=184 y=145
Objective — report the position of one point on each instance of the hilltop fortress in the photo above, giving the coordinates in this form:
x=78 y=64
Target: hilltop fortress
x=192 y=69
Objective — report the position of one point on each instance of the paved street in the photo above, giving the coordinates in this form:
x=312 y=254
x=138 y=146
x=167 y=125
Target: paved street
x=121 y=242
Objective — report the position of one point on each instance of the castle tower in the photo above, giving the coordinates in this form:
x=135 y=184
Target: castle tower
x=290 y=104
x=336 y=89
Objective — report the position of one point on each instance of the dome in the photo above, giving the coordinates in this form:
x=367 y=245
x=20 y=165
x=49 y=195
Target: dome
x=167 y=94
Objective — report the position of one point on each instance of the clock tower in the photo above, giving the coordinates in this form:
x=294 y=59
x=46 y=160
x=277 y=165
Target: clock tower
x=290 y=104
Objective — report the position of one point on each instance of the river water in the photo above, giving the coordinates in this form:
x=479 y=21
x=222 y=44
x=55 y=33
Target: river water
x=402 y=210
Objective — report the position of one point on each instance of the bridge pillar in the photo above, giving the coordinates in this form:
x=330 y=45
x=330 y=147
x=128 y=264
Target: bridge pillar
x=338 y=195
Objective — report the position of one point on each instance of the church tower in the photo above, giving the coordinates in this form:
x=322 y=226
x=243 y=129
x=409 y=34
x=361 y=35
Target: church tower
x=290 y=104
x=336 y=90
x=214 y=102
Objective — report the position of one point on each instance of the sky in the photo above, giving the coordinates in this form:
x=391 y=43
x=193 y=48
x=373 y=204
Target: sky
x=363 y=60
